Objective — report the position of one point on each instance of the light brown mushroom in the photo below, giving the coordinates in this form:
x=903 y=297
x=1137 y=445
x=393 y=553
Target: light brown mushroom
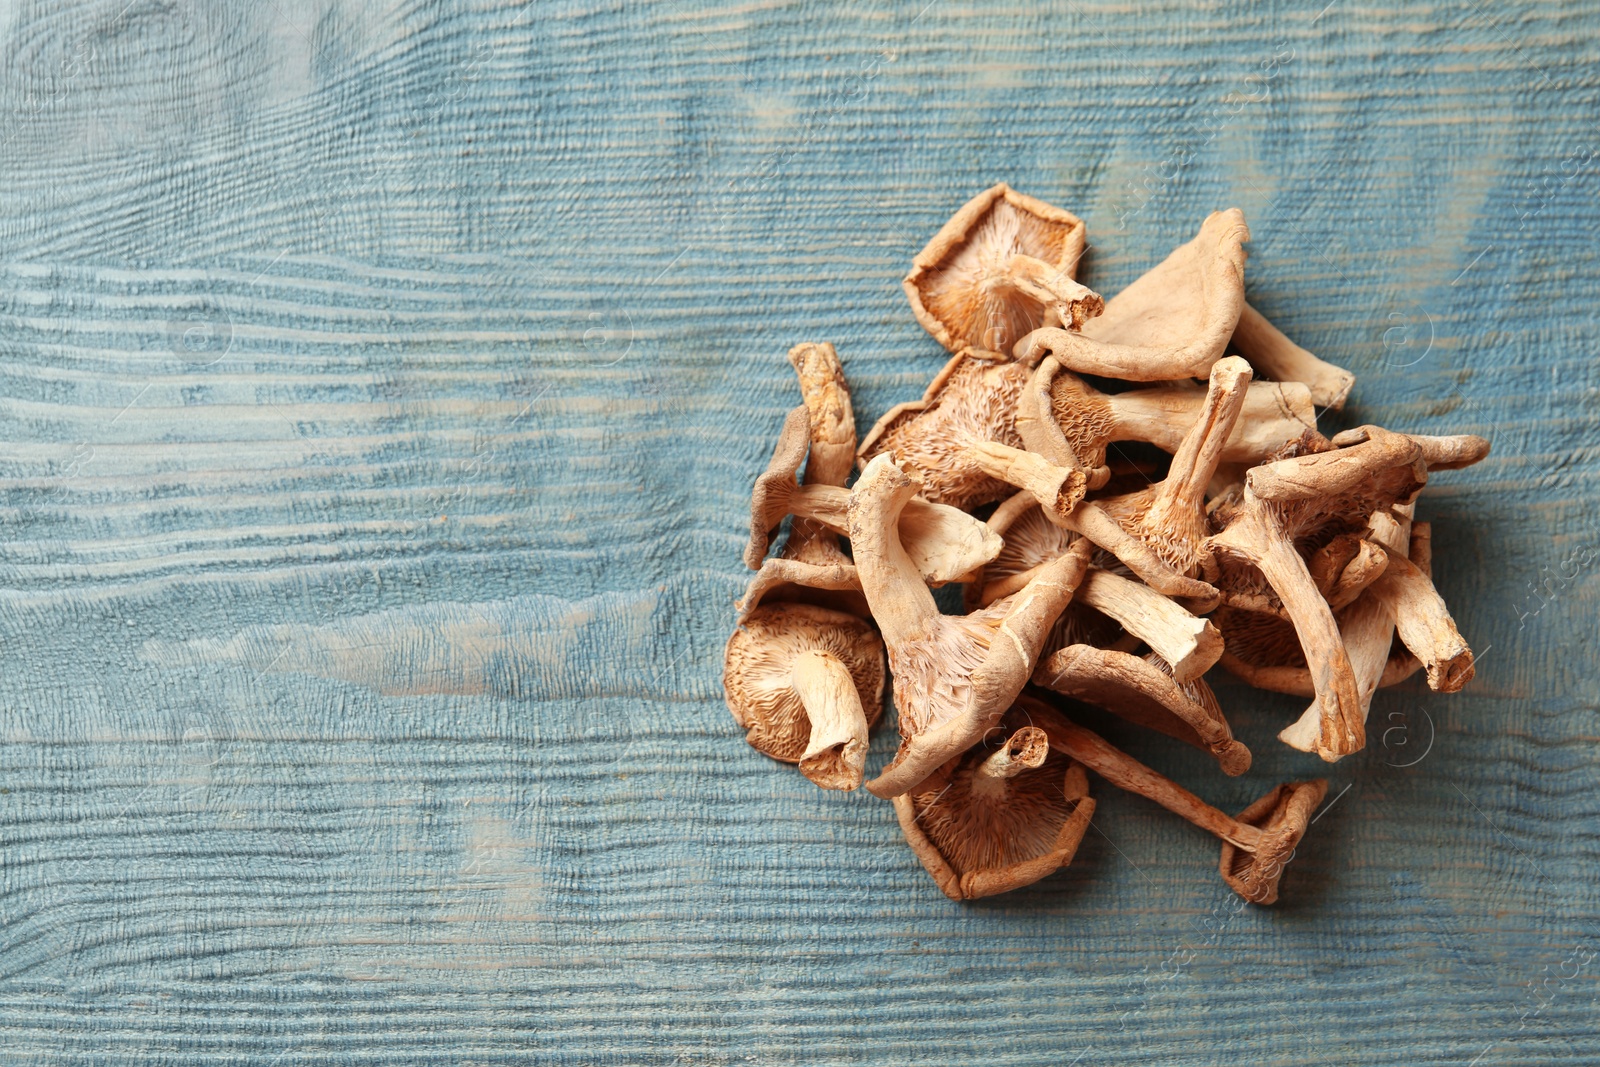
x=1188 y=643
x=1274 y=413
x=993 y=820
x=1034 y=475
x=1001 y=266
x=955 y=676
x=1280 y=359
x=813 y=567
x=1140 y=691
x=807 y=685
x=1256 y=845
x=1172 y=322
x=1286 y=499
x=1170 y=516
x=969 y=401
x=945 y=543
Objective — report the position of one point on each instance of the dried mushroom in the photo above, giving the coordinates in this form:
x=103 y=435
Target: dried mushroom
x=1256 y=845
x=993 y=820
x=1000 y=267
x=1115 y=577
x=955 y=676
x=807 y=685
x=1173 y=322
x=943 y=542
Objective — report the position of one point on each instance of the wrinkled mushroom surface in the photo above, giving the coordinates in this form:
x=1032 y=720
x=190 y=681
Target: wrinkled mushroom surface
x=806 y=683
x=1003 y=265
x=998 y=817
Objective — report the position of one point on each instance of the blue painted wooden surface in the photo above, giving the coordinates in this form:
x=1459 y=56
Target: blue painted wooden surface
x=381 y=388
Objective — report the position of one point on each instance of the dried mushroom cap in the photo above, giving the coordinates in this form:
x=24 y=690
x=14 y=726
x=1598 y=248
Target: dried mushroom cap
x=807 y=685
x=998 y=819
x=1001 y=266
x=1172 y=322
x=1140 y=691
x=1280 y=359
x=943 y=542
x=1282 y=816
x=1256 y=846
x=970 y=401
x=955 y=676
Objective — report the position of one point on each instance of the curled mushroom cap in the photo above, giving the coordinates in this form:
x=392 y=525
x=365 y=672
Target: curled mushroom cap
x=1001 y=266
x=807 y=684
x=996 y=819
x=955 y=676
x=1254 y=869
x=1173 y=322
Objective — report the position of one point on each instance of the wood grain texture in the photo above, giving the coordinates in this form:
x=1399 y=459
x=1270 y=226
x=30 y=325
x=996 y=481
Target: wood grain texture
x=380 y=391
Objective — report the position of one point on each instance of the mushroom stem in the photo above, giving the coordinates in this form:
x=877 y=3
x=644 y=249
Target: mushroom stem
x=1180 y=499
x=1189 y=643
x=1025 y=750
x=1255 y=537
x=827 y=400
x=1125 y=772
x=1057 y=489
x=1036 y=424
x=1425 y=626
x=1367 y=628
x=902 y=606
x=1273 y=414
x=1445 y=453
x=1271 y=352
x=837 y=751
x=1267 y=830
x=1072 y=301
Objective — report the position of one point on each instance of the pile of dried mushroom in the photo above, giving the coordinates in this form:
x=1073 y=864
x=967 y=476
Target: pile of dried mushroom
x=1290 y=558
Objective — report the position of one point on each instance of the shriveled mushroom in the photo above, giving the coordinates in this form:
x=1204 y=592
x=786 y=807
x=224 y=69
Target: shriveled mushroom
x=1287 y=498
x=1051 y=487
x=1274 y=413
x=1172 y=322
x=944 y=542
x=1170 y=516
x=1140 y=691
x=993 y=820
x=1403 y=601
x=807 y=684
x=812 y=568
x=1001 y=266
x=1256 y=845
x=1188 y=643
x=969 y=401
x=955 y=676
x=1280 y=359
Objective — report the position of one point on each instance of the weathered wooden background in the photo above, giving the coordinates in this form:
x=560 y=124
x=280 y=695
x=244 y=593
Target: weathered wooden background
x=381 y=388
